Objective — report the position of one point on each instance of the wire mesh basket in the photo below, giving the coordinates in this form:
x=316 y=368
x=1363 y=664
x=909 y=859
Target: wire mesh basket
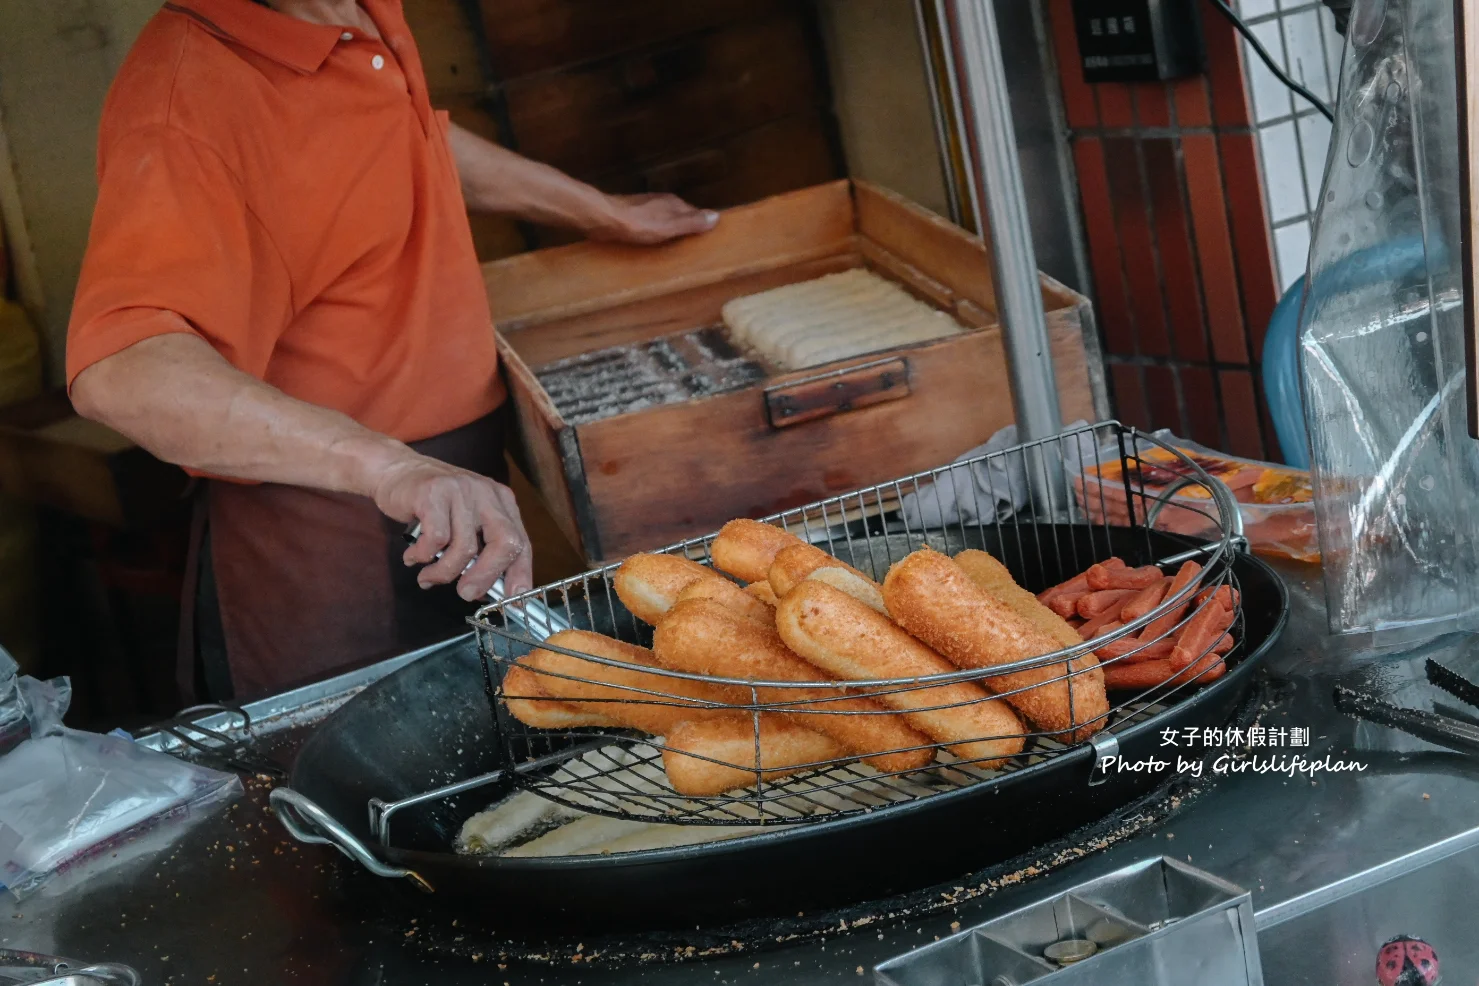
x=1047 y=510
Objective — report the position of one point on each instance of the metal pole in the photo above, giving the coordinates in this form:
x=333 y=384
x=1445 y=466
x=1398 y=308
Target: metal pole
x=998 y=177
x=944 y=108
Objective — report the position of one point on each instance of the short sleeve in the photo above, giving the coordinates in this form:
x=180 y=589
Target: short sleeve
x=172 y=235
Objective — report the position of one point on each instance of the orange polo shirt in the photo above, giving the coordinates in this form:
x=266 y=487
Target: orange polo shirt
x=285 y=191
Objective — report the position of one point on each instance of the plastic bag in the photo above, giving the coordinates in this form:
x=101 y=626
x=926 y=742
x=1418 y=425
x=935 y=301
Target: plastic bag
x=14 y=726
x=67 y=794
x=1382 y=339
x=1276 y=502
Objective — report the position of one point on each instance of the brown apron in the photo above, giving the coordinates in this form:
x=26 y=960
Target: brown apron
x=289 y=585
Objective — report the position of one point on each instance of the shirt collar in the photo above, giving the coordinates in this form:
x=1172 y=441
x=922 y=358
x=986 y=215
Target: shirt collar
x=299 y=45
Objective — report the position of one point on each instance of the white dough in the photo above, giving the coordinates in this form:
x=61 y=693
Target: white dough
x=834 y=317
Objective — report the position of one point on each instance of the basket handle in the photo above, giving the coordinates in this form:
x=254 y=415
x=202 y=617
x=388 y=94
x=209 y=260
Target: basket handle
x=1226 y=503
x=308 y=823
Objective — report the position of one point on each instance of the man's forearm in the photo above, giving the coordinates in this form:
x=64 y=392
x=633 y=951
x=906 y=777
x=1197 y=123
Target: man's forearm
x=495 y=179
x=178 y=398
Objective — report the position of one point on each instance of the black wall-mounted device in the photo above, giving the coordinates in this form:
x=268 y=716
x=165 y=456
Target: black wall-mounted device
x=1138 y=40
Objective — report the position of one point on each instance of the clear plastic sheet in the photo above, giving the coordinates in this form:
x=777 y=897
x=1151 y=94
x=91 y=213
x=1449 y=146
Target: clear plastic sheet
x=1381 y=338
x=1274 y=500
x=66 y=795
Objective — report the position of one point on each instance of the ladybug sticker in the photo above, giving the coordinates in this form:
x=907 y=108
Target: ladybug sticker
x=1407 y=961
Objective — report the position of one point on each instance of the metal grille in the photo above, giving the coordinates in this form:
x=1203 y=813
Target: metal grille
x=668 y=370
x=1048 y=510
x=628 y=781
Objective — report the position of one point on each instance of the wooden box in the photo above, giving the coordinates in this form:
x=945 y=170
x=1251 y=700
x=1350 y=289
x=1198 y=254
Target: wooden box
x=654 y=476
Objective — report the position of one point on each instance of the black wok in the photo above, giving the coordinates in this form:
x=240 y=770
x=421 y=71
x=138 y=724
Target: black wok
x=429 y=724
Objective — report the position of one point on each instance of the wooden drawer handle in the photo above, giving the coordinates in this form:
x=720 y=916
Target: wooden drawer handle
x=837 y=391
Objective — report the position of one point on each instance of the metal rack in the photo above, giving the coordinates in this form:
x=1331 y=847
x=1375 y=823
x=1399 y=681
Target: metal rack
x=1043 y=542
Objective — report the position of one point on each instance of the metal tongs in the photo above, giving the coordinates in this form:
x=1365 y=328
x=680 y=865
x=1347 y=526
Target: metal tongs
x=37 y=969
x=215 y=748
x=1459 y=734
x=537 y=619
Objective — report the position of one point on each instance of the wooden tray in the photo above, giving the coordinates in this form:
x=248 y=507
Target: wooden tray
x=650 y=477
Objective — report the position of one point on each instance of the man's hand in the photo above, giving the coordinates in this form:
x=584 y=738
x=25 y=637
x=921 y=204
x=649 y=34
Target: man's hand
x=495 y=179
x=652 y=218
x=464 y=516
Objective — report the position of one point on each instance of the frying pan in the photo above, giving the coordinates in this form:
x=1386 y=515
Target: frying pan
x=429 y=724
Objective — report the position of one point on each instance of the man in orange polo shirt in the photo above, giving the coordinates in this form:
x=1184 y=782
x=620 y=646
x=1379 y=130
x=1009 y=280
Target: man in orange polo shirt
x=280 y=288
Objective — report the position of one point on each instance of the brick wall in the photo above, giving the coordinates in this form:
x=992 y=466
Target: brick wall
x=1179 y=240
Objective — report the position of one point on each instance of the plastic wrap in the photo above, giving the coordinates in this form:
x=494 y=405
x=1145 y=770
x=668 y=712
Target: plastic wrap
x=14 y=726
x=66 y=795
x=1276 y=502
x=1381 y=337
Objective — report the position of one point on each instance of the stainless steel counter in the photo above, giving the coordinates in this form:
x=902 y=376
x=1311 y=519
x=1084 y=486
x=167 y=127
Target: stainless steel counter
x=1336 y=863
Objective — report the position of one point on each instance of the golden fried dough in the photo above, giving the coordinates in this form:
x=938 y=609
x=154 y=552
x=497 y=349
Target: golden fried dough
x=992 y=575
x=703 y=637
x=934 y=599
x=731 y=597
x=620 y=694
x=747 y=548
x=785 y=748
x=853 y=642
x=648 y=584
x=526 y=702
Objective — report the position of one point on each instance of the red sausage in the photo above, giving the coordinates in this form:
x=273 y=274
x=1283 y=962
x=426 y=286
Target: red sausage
x=1200 y=634
x=1104 y=577
x=1145 y=600
x=1091 y=604
x=1160 y=626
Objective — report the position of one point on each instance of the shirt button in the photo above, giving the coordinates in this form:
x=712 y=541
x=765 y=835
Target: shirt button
x=346 y=36
x=378 y=61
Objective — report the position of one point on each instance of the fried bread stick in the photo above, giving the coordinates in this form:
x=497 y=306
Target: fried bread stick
x=852 y=641
x=930 y=595
x=702 y=637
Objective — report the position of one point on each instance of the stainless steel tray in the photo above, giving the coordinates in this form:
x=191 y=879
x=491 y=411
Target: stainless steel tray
x=1159 y=921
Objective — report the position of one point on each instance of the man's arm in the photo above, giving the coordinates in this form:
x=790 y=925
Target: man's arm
x=178 y=398
x=495 y=179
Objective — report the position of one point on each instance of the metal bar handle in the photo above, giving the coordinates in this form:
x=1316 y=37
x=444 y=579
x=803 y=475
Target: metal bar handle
x=108 y=974
x=308 y=823
x=59 y=970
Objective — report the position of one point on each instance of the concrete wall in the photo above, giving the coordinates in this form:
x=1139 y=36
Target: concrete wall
x=881 y=97
x=56 y=60
x=882 y=100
